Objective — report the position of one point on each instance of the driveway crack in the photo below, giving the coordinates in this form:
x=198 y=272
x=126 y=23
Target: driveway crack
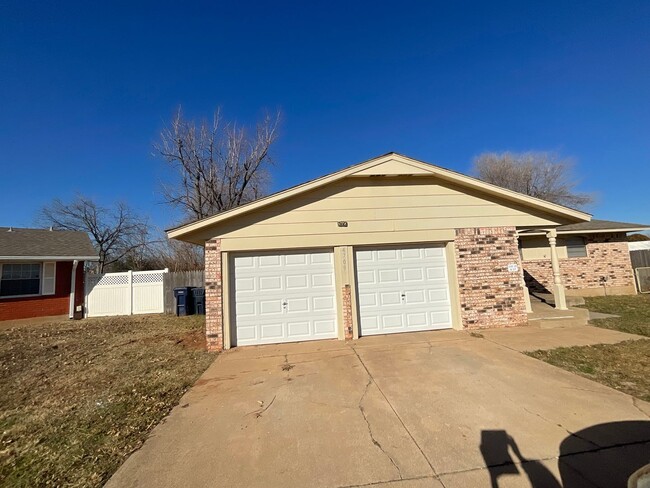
x=372 y=437
x=371 y=379
x=564 y=428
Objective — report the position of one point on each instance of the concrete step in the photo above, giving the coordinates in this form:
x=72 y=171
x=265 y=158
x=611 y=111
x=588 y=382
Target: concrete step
x=571 y=301
x=552 y=319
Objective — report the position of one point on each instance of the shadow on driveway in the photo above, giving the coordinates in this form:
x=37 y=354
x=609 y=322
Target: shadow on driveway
x=609 y=466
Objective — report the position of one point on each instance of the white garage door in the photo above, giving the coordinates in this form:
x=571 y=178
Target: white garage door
x=284 y=297
x=403 y=290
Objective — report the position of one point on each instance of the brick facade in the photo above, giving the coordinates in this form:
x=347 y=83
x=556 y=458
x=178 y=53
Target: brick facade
x=47 y=305
x=490 y=295
x=607 y=262
x=213 y=296
x=347 y=312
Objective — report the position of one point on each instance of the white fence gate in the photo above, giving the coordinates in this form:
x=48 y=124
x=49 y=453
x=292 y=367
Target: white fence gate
x=129 y=293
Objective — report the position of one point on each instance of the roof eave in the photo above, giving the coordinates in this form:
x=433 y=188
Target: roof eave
x=588 y=231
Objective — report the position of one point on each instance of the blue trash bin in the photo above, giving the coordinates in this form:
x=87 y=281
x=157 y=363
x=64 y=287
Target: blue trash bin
x=199 y=300
x=184 y=301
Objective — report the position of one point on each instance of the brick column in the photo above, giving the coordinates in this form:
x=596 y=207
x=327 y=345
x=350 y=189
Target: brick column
x=347 y=312
x=491 y=295
x=213 y=296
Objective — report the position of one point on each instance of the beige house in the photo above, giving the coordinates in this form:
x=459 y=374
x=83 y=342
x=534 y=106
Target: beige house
x=386 y=246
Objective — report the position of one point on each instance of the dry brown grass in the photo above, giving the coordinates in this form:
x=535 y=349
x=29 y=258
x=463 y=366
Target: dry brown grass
x=78 y=397
x=624 y=366
x=634 y=311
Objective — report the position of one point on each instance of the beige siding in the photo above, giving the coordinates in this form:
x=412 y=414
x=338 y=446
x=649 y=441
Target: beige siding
x=535 y=248
x=377 y=210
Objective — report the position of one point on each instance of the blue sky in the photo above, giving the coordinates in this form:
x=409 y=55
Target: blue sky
x=86 y=87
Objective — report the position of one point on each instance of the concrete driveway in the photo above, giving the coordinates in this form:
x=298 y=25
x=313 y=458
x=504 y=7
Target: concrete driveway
x=434 y=409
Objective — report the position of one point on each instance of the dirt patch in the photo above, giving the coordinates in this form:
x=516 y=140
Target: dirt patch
x=80 y=396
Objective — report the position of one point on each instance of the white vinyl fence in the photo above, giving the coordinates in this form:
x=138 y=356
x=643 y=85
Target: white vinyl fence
x=129 y=293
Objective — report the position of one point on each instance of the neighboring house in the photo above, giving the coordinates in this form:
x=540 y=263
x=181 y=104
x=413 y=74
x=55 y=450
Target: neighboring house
x=42 y=272
x=389 y=245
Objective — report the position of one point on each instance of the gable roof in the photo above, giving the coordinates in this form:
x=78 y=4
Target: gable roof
x=45 y=244
x=391 y=164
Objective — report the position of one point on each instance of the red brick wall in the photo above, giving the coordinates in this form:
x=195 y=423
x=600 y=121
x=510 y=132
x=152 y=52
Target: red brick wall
x=44 y=306
x=490 y=295
x=213 y=295
x=608 y=256
x=347 y=312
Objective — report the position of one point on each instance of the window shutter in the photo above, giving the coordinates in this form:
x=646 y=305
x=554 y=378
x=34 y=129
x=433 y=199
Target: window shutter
x=48 y=281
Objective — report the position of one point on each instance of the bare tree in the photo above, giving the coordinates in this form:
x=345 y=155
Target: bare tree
x=539 y=174
x=116 y=232
x=176 y=256
x=219 y=166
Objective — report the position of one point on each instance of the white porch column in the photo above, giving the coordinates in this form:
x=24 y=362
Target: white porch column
x=558 y=287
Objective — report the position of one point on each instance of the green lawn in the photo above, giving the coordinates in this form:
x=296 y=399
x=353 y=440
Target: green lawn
x=624 y=366
x=79 y=396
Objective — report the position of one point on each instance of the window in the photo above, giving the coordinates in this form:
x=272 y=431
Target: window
x=20 y=279
x=575 y=247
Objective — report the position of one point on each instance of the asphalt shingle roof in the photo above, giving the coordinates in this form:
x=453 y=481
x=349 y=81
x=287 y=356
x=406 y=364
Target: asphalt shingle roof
x=595 y=224
x=19 y=242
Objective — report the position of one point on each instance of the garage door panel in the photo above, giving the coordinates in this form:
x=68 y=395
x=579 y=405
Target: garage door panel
x=324 y=304
x=367 y=299
x=389 y=276
x=284 y=297
x=271 y=331
x=442 y=318
x=415 y=297
x=246 y=308
x=297 y=329
x=437 y=273
x=403 y=290
x=413 y=275
x=394 y=321
x=296 y=260
x=245 y=284
x=366 y=277
x=270 y=283
x=270 y=307
x=418 y=319
x=386 y=299
x=322 y=280
x=437 y=295
x=324 y=327
x=269 y=261
x=297 y=281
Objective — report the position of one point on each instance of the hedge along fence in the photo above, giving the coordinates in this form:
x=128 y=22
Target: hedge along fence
x=179 y=279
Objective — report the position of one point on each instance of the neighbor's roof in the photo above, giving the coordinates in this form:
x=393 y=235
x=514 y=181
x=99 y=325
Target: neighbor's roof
x=396 y=165
x=19 y=243
x=596 y=225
